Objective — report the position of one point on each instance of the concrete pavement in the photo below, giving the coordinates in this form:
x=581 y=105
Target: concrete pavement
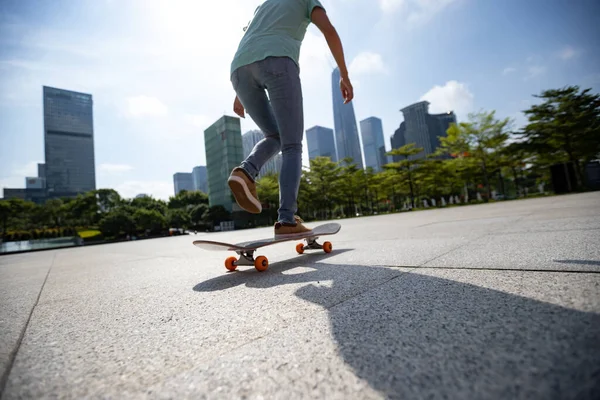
x=498 y=301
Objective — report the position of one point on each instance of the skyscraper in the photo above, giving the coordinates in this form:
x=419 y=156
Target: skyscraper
x=320 y=143
x=69 y=142
x=397 y=140
x=224 y=152
x=183 y=181
x=199 y=178
x=371 y=130
x=346 y=131
x=425 y=129
x=249 y=140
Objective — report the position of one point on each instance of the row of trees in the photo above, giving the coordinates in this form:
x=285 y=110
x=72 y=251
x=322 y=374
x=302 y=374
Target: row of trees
x=478 y=157
x=105 y=210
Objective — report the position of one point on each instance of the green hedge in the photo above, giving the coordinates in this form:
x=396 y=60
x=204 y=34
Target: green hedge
x=37 y=234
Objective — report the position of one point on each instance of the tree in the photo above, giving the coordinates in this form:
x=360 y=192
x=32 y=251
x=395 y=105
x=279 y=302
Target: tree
x=187 y=199
x=565 y=127
x=116 y=222
x=217 y=214
x=4 y=214
x=480 y=139
x=150 y=203
x=149 y=221
x=178 y=218
x=107 y=200
x=408 y=166
x=324 y=177
x=198 y=215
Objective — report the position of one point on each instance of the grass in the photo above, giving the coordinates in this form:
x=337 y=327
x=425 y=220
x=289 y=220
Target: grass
x=89 y=233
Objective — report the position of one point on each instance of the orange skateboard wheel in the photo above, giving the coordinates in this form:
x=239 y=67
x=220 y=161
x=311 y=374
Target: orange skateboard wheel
x=231 y=263
x=327 y=247
x=261 y=263
x=300 y=248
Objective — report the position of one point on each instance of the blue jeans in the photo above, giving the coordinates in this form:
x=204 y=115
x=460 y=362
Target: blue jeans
x=281 y=119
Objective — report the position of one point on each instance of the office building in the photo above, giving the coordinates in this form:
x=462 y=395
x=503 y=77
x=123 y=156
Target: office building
x=199 y=178
x=35 y=183
x=42 y=171
x=69 y=142
x=346 y=130
x=424 y=129
x=321 y=143
x=249 y=140
x=371 y=130
x=397 y=140
x=183 y=181
x=224 y=152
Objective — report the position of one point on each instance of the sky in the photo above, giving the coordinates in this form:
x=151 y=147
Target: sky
x=158 y=70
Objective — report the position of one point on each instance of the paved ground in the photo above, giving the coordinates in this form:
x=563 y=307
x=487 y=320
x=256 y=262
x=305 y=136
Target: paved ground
x=488 y=301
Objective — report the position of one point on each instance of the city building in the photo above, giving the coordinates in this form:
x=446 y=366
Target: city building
x=371 y=130
x=249 y=140
x=183 y=181
x=397 y=140
x=424 y=129
x=37 y=196
x=321 y=143
x=35 y=183
x=346 y=130
x=224 y=152
x=69 y=143
x=42 y=171
x=199 y=178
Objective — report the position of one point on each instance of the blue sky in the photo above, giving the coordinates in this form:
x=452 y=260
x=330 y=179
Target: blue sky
x=158 y=70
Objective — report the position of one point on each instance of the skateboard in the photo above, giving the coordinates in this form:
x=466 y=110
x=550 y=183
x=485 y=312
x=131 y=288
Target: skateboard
x=245 y=250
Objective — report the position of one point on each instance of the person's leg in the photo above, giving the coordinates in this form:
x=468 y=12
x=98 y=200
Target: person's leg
x=254 y=99
x=281 y=77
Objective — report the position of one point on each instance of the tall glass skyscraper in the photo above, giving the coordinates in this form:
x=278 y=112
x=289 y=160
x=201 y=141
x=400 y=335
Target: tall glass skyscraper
x=224 y=152
x=200 y=179
x=371 y=130
x=249 y=140
x=397 y=140
x=183 y=181
x=346 y=131
x=321 y=143
x=69 y=142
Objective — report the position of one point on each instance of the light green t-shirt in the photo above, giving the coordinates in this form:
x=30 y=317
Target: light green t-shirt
x=277 y=30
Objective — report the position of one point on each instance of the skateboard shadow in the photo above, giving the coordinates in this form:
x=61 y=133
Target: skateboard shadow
x=411 y=335
x=274 y=276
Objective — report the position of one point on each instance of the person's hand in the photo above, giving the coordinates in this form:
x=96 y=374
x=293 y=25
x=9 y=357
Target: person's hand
x=238 y=108
x=347 y=90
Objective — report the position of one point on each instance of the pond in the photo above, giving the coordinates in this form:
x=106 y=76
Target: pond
x=26 y=245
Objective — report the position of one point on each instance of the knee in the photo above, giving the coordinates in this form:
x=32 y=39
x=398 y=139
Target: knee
x=291 y=148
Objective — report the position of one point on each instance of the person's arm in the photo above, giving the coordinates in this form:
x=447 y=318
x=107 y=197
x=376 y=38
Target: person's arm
x=321 y=20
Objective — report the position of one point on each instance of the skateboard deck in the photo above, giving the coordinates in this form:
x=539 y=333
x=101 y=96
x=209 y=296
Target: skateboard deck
x=246 y=250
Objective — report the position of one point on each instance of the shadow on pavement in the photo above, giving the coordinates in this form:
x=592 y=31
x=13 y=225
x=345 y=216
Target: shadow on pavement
x=416 y=336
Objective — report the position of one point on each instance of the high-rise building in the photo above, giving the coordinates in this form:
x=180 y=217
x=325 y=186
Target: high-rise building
x=224 y=152
x=321 y=143
x=425 y=129
x=371 y=130
x=200 y=179
x=438 y=126
x=346 y=130
x=69 y=142
x=249 y=140
x=35 y=183
x=183 y=181
x=397 y=140
x=42 y=171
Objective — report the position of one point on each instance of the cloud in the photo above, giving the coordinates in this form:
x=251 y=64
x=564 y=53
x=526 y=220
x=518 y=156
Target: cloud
x=367 y=63
x=140 y=106
x=114 y=168
x=391 y=5
x=535 y=71
x=157 y=189
x=453 y=96
x=508 y=70
x=200 y=121
x=568 y=53
x=415 y=12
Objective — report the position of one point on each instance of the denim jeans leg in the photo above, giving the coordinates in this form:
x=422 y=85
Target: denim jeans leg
x=281 y=77
x=254 y=99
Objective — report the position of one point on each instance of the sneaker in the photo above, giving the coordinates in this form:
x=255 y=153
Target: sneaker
x=244 y=191
x=285 y=230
